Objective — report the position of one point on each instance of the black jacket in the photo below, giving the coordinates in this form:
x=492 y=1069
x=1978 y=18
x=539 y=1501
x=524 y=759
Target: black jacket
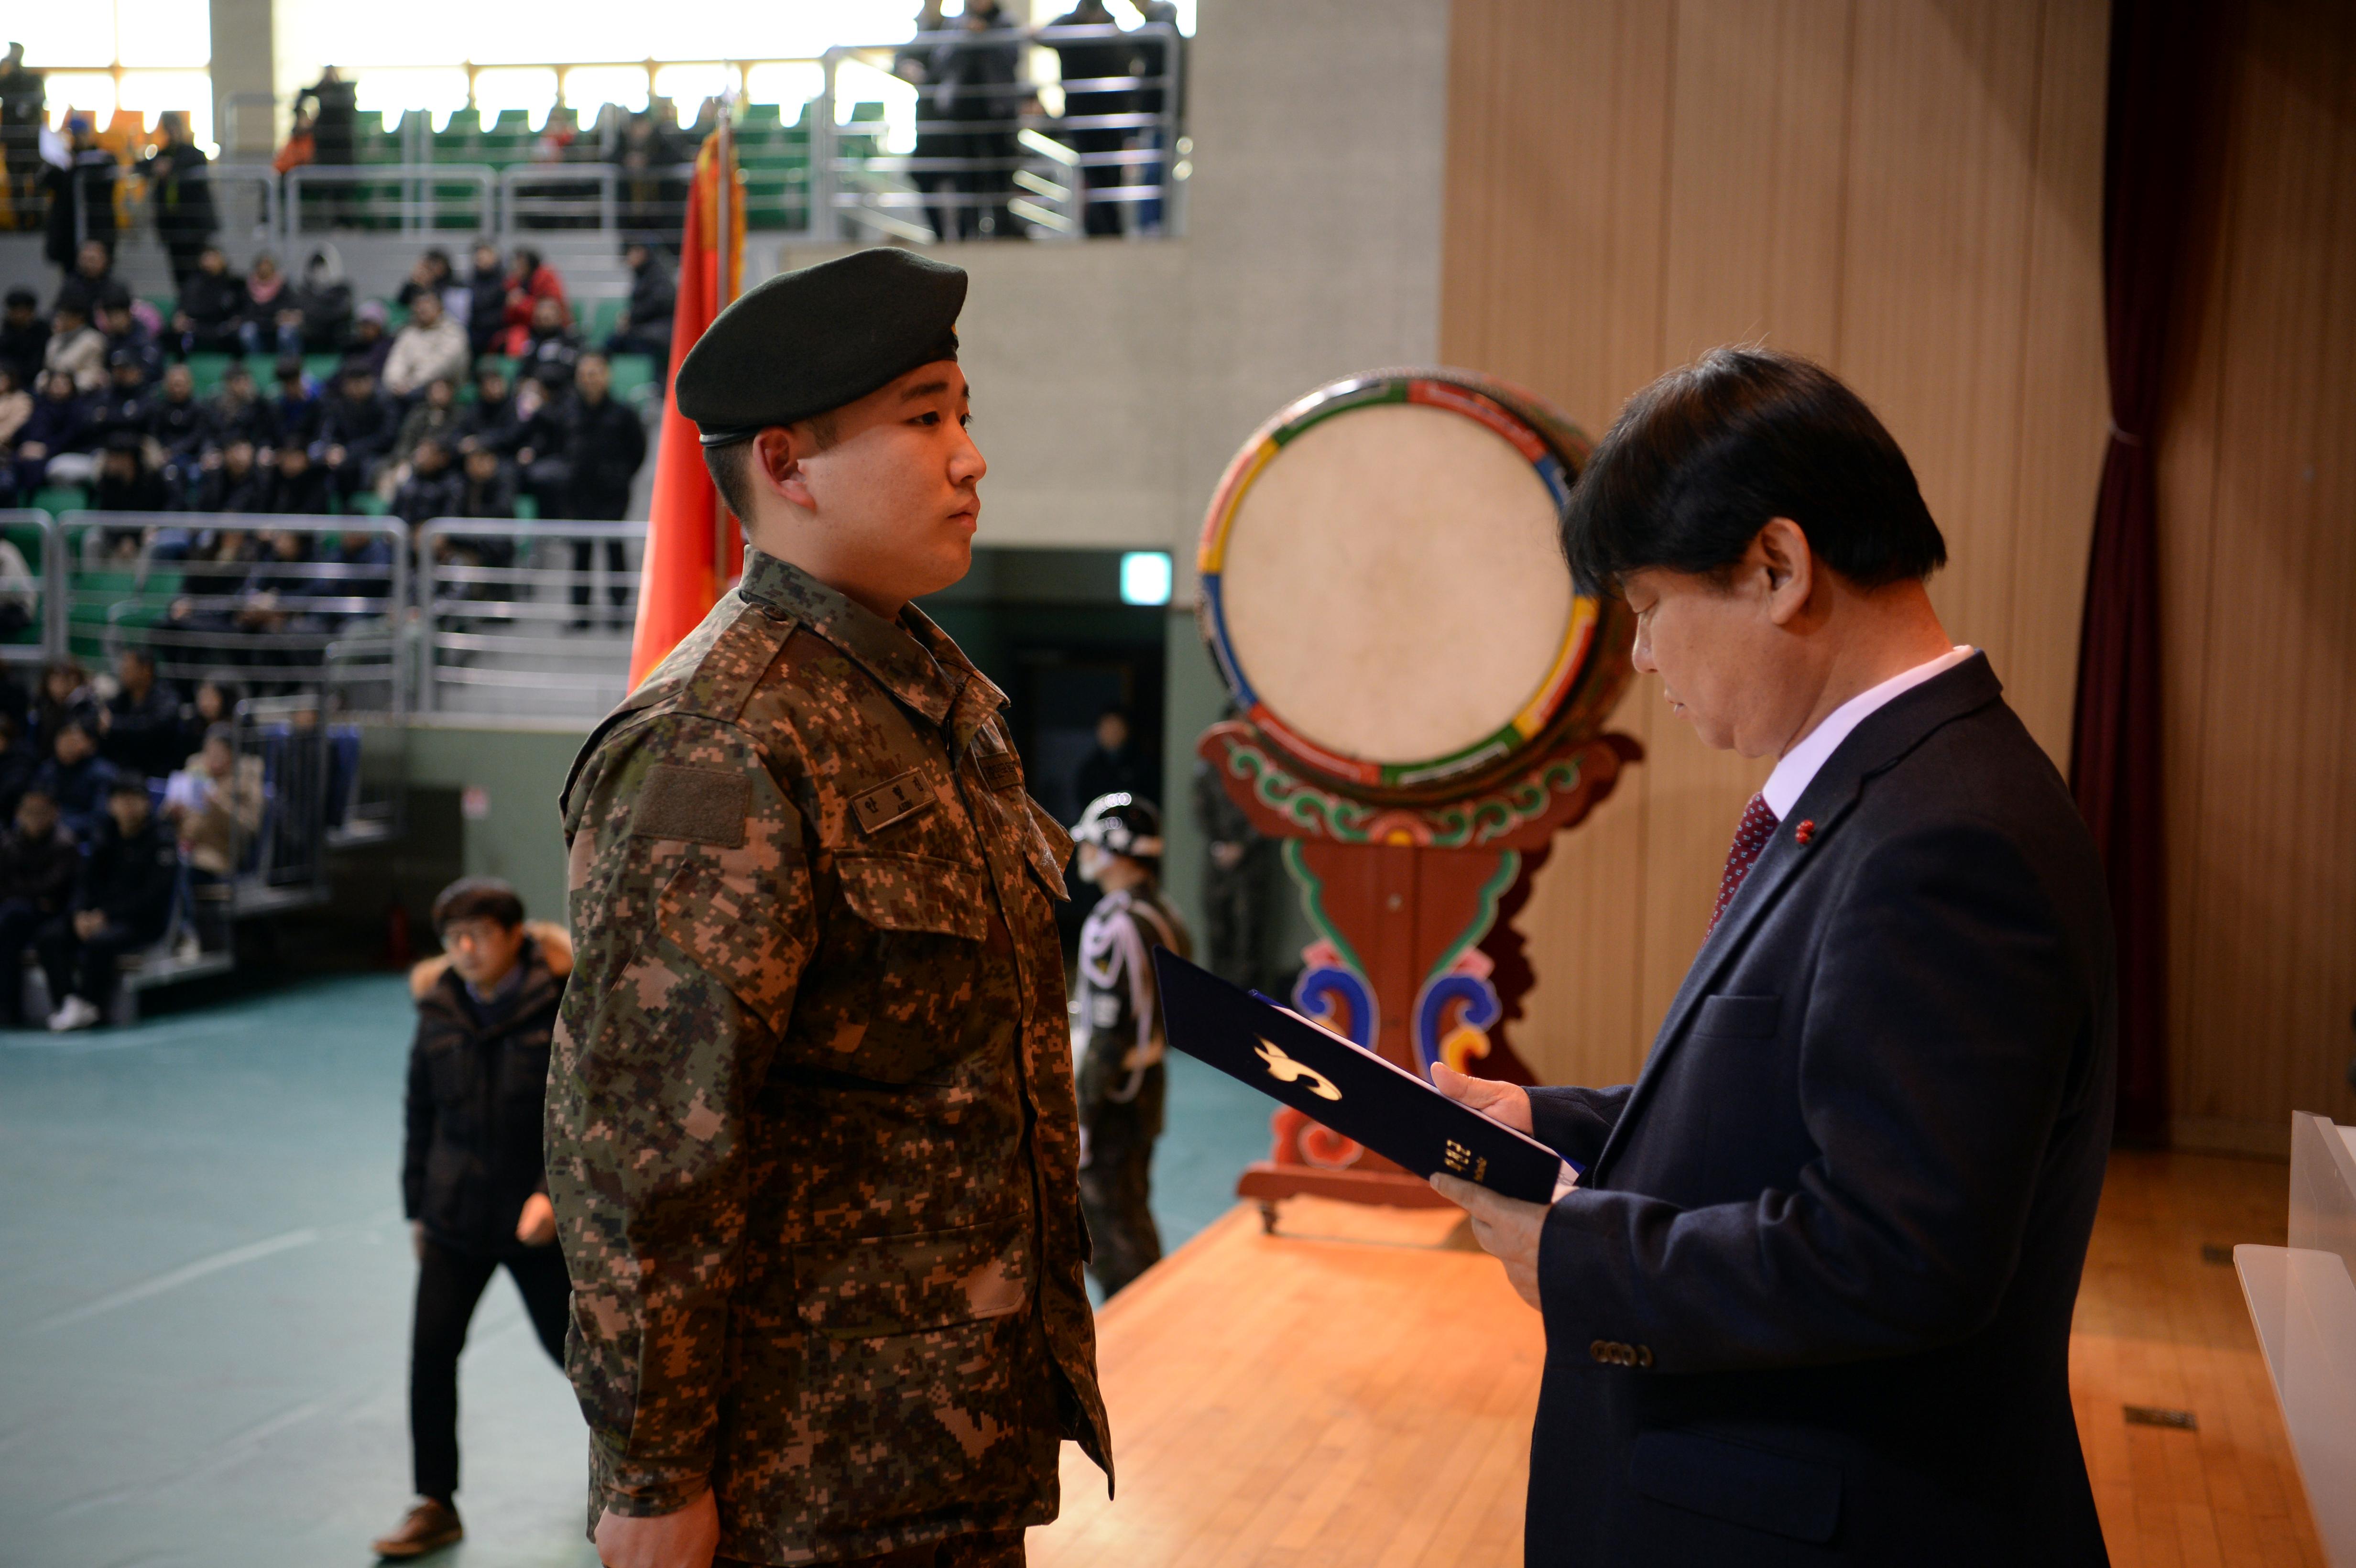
x=477 y=1086
x=130 y=879
x=144 y=734
x=1811 y=1301
x=608 y=444
x=41 y=871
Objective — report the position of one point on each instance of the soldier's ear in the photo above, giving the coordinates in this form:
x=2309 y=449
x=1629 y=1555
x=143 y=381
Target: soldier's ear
x=778 y=454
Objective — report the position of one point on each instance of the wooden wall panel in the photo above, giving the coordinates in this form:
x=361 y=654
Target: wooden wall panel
x=2258 y=564
x=1907 y=189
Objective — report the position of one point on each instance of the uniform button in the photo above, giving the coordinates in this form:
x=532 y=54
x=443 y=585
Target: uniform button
x=1643 y=1355
x=1601 y=1349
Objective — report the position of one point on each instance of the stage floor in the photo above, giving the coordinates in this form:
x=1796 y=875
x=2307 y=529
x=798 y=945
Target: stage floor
x=1357 y=1391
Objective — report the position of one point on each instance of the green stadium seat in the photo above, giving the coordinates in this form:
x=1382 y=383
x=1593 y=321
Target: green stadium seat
x=596 y=319
x=55 y=499
x=165 y=304
x=633 y=372
x=368 y=503
x=321 y=368
x=464 y=122
x=526 y=509
x=209 y=369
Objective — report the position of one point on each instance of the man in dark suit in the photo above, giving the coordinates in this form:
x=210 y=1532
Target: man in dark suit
x=1810 y=1299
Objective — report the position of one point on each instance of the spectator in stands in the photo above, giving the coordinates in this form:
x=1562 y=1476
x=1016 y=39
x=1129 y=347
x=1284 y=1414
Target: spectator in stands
x=644 y=325
x=178 y=423
x=329 y=110
x=81 y=197
x=981 y=80
x=605 y=444
x=435 y=418
x=1095 y=59
x=266 y=302
x=24 y=101
x=126 y=482
x=39 y=864
x=64 y=695
x=319 y=307
x=24 y=336
x=653 y=199
x=233 y=479
x=355 y=429
x=552 y=345
x=924 y=64
x=486 y=300
x=297 y=406
x=122 y=905
x=215 y=803
x=211 y=312
x=433 y=274
x=75 y=776
x=489 y=491
x=179 y=195
x=126 y=334
x=123 y=409
x=473 y=1181
x=302 y=486
x=93 y=275
x=139 y=727
x=434 y=488
x=487 y=420
x=55 y=445
x=369 y=342
x=431 y=347
x=530 y=280
x=237 y=412
x=76 y=348
x=542 y=434
x=215 y=702
x=15 y=408
x=19 y=761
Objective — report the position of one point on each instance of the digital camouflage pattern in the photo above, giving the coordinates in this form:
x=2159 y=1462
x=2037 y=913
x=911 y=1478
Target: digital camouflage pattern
x=1122 y=1084
x=812 y=1126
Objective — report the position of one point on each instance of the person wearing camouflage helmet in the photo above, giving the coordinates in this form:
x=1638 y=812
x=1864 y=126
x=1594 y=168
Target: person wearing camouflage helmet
x=811 y=1137
x=1119 y=1044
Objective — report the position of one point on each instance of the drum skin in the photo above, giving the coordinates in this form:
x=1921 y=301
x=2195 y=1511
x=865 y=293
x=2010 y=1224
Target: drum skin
x=1384 y=588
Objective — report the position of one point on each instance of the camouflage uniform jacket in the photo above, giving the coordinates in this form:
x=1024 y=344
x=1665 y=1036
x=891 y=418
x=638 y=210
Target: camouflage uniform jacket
x=1121 y=1042
x=811 y=1129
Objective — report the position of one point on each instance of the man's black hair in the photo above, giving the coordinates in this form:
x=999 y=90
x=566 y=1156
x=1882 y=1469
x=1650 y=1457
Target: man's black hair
x=136 y=651
x=129 y=783
x=1701 y=460
x=23 y=299
x=477 y=898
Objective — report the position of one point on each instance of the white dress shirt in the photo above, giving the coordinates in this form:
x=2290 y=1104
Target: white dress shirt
x=1798 y=769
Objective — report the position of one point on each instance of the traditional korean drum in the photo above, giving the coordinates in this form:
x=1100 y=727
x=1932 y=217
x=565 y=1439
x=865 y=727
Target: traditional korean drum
x=1385 y=591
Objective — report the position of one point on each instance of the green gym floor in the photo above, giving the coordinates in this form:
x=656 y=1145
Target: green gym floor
x=203 y=1328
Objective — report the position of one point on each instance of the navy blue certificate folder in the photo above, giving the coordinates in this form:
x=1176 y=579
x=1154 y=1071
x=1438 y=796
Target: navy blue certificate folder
x=1353 y=1091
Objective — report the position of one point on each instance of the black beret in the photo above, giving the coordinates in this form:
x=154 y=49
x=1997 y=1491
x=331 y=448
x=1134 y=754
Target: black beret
x=811 y=340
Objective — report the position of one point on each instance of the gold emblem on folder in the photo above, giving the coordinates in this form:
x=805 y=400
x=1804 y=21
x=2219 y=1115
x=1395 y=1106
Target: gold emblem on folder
x=1284 y=1070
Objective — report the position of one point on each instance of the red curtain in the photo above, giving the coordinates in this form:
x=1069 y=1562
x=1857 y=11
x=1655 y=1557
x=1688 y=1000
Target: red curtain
x=2159 y=50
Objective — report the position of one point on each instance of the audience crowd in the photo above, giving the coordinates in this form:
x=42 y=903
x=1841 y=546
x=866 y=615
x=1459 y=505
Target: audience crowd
x=120 y=794
x=485 y=392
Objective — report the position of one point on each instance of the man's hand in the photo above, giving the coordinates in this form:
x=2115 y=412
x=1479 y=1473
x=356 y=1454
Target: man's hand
x=1506 y=1228
x=1506 y=1102
x=687 y=1539
x=536 y=1226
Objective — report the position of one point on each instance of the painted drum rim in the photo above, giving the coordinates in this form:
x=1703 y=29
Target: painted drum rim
x=1550 y=444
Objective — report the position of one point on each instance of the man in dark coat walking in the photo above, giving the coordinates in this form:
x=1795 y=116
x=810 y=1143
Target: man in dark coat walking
x=473 y=1182
x=1810 y=1299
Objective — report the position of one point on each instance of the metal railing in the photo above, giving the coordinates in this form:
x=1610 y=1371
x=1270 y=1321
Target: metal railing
x=526 y=619
x=32 y=615
x=413 y=198
x=210 y=600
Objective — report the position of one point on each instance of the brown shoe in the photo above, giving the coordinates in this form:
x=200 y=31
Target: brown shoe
x=430 y=1527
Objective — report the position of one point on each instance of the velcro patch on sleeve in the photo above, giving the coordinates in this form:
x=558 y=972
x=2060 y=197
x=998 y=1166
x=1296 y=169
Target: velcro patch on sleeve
x=702 y=806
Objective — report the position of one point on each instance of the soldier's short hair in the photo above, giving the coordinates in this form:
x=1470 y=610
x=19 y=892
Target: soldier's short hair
x=477 y=898
x=732 y=465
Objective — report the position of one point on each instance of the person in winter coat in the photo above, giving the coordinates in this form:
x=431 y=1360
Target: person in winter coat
x=121 y=904
x=528 y=281
x=53 y=444
x=552 y=344
x=264 y=327
x=473 y=1181
x=77 y=777
x=434 y=488
x=139 y=727
x=318 y=308
x=355 y=429
x=605 y=448
x=645 y=325
x=75 y=346
x=211 y=308
x=431 y=347
x=239 y=412
x=39 y=866
x=180 y=194
x=486 y=300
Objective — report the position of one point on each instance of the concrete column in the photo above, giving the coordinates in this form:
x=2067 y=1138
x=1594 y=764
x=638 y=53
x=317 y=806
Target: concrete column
x=244 y=51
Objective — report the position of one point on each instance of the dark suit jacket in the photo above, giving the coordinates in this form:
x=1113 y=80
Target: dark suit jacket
x=1811 y=1303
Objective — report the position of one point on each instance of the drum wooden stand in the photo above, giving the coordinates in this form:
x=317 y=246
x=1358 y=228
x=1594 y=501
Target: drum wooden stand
x=1422 y=691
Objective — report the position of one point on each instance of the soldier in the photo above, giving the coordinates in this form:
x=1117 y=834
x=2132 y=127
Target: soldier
x=1120 y=1046
x=811 y=1132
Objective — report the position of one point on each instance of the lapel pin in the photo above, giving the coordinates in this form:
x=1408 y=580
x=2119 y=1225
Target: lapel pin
x=1804 y=831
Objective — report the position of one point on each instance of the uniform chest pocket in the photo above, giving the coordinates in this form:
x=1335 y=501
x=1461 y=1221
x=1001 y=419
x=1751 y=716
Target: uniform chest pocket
x=922 y=926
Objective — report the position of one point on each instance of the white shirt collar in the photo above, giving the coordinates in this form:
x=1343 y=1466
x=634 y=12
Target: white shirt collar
x=1800 y=765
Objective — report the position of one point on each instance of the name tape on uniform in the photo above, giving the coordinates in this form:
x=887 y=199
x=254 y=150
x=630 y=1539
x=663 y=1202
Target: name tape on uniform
x=892 y=800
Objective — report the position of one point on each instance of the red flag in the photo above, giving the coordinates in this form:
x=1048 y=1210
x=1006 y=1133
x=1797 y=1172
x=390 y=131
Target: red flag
x=686 y=527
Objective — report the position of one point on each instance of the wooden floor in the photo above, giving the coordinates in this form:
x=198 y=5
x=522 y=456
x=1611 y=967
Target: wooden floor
x=1357 y=1391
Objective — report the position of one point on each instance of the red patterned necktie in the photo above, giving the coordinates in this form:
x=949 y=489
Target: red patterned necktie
x=1750 y=835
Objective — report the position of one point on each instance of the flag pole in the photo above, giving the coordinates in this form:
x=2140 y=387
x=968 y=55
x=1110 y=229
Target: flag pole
x=723 y=191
